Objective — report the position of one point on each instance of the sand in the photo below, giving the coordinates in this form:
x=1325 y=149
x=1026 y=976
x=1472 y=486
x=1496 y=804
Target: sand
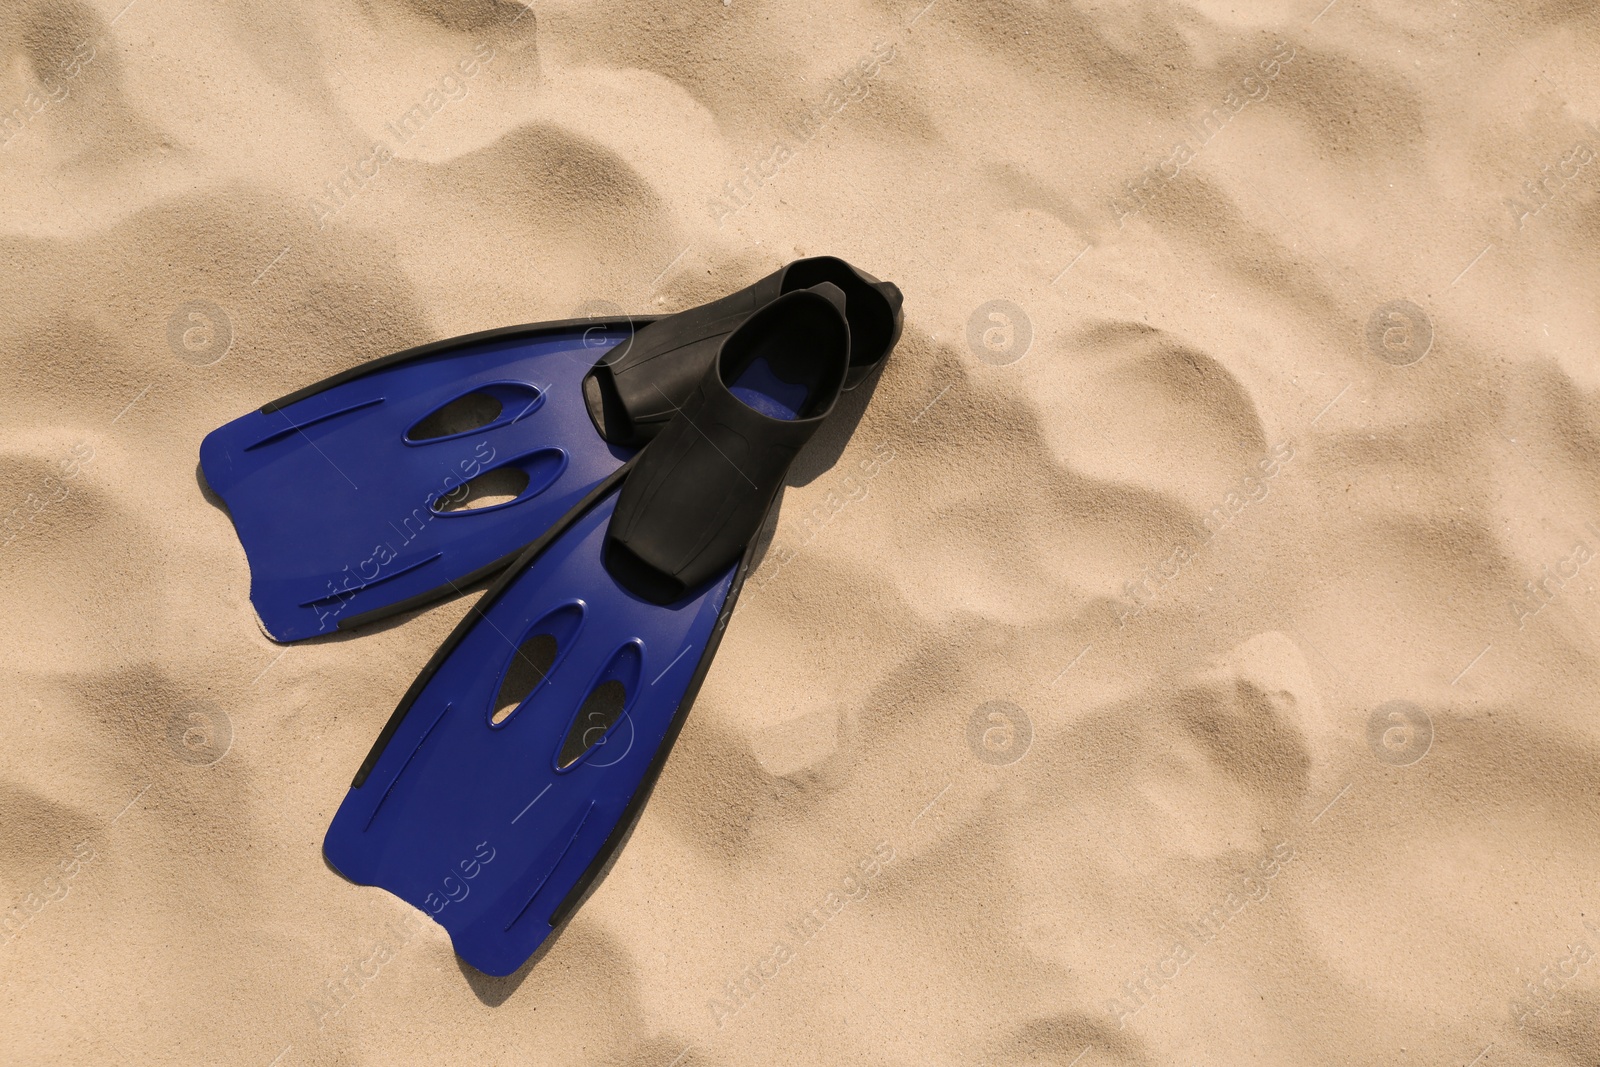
x=1189 y=659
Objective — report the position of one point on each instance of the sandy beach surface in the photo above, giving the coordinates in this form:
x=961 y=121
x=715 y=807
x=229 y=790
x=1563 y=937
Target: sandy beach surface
x=1190 y=658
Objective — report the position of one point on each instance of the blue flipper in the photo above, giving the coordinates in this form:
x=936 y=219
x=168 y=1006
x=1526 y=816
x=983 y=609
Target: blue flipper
x=474 y=822
x=360 y=496
x=519 y=758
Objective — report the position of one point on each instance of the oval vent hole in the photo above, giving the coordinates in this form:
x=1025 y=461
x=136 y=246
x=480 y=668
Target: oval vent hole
x=462 y=415
x=499 y=486
x=600 y=712
x=528 y=668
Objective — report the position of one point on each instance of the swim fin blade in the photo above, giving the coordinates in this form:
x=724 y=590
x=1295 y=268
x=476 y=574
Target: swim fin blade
x=515 y=765
x=404 y=480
